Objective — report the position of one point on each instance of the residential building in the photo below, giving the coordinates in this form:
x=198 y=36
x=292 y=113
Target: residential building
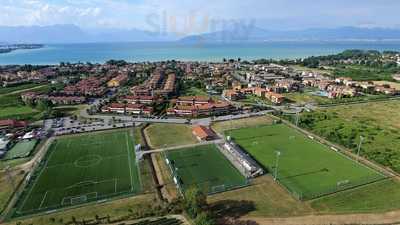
x=203 y=133
x=118 y=81
x=275 y=97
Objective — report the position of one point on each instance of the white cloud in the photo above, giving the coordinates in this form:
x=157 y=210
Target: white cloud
x=182 y=13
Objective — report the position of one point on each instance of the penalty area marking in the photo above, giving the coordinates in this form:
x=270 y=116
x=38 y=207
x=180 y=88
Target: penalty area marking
x=44 y=197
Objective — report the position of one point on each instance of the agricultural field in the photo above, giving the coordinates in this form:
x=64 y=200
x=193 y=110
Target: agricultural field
x=205 y=167
x=306 y=168
x=377 y=122
x=162 y=135
x=83 y=168
x=21 y=149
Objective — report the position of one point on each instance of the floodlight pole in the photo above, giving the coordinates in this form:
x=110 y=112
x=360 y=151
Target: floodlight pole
x=359 y=147
x=278 y=153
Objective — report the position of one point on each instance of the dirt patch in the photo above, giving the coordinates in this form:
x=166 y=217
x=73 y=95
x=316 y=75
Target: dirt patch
x=168 y=188
x=384 y=218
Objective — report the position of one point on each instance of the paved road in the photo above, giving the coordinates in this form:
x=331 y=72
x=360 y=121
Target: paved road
x=203 y=121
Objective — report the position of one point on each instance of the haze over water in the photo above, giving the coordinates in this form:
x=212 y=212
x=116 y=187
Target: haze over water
x=138 y=52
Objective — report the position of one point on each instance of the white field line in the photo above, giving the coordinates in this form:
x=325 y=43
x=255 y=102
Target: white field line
x=102 y=158
x=129 y=156
x=46 y=167
x=38 y=177
x=44 y=197
x=115 y=185
x=342 y=154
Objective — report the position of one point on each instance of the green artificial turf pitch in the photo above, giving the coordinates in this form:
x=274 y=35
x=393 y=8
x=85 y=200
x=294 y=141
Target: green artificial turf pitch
x=206 y=168
x=21 y=149
x=83 y=168
x=306 y=167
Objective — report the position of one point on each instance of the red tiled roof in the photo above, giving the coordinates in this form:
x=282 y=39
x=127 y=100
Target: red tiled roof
x=134 y=106
x=117 y=105
x=202 y=132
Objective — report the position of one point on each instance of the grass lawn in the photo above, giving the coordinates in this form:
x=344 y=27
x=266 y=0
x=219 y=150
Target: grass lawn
x=362 y=73
x=265 y=197
x=162 y=135
x=6 y=188
x=12 y=163
x=378 y=197
x=11 y=105
x=21 y=149
x=69 y=110
x=83 y=168
x=314 y=70
x=306 y=97
x=7 y=90
x=307 y=168
x=18 y=112
x=378 y=122
x=120 y=208
x=194 y=91
x=205 y=167
x=220 y=127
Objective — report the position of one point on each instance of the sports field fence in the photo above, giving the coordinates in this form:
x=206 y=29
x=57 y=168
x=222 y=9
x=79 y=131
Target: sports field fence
x=67 y=201
x=338 y=187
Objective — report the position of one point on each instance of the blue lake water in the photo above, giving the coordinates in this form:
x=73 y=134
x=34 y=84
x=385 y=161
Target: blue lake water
x=138 y=52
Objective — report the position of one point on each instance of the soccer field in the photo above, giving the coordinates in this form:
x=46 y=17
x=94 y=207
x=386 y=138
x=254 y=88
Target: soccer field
x=206 y=168
x=308 y=169
x=83 y=168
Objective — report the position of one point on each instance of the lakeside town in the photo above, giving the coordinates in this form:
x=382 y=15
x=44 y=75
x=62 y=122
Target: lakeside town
x=167 y=114
x=187 y=90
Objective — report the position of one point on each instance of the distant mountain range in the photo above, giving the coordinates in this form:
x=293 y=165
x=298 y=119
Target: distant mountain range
x=322 y=34
x=75 y=34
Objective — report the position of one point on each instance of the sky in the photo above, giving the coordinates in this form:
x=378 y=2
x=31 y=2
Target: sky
x=197 y=16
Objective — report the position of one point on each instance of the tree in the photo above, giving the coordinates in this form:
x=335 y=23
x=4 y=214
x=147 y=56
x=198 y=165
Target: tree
x=44 y=105
x=195 y=201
